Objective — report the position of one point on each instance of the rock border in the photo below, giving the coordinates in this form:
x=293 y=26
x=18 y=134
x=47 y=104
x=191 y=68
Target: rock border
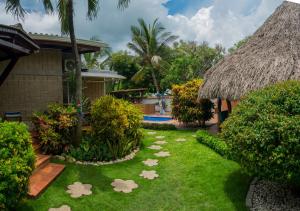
x=249 y=201
x=70 y=159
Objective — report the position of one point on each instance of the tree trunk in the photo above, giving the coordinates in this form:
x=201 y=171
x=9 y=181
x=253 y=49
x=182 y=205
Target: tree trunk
x=78 y=93
x=155 y=80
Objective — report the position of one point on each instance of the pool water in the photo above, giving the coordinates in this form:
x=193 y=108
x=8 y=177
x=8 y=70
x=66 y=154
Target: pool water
x=157 y=118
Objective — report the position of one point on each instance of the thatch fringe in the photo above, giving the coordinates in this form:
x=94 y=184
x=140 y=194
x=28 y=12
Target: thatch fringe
x=271 y=55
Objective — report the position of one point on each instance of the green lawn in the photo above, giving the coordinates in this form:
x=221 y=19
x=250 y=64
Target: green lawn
x=192 y=178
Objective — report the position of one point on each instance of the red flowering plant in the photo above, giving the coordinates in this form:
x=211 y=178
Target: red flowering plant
x=55 y=128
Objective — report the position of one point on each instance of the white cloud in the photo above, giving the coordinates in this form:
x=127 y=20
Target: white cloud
x=225 y=21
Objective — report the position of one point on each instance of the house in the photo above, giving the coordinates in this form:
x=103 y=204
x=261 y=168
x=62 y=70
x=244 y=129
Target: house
x=271 y=55
x=33 y=69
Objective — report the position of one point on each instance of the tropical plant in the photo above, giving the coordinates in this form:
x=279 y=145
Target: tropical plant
x=55 y=128
x=149 y=42
x=16 y=163
x=263 y=133
x=66 y=13
x=185 y=106
x=116 y=124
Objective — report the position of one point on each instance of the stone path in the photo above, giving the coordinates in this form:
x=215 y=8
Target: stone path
x=151 y=162
x=62 y=208
x=125 y=186
x=181 y=140
x=160 y=137
x=151 y=133
x=155 y=147
x=160 y=142
x=162 y=154
x=78 y=189
x=149 y=175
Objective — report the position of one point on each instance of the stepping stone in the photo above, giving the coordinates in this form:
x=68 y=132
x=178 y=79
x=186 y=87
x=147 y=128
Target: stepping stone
x=160 y=137
x=151 y=175
x=155 y=147
x=162 y=154
x=151 y=162
x=125 y=186
x=78 y=189
x=194 y=136
x=181 y=140
x=151 y=133
x=160 y=142
x=62 y=208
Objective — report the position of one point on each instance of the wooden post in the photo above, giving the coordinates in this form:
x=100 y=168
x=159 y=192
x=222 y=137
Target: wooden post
x=8 y=69
x=229 y=106
x=219 y=110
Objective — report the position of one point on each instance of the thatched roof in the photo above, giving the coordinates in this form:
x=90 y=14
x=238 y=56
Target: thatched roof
x=271 y=55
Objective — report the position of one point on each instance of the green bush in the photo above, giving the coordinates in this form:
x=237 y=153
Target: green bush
x=186 y=108
x=16 y=163
x=157 y=126
x=213 y=142
x=263 y=133
x=55 y=128
x=116 y=123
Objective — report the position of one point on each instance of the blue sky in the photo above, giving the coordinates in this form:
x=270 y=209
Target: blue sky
x=215 y=21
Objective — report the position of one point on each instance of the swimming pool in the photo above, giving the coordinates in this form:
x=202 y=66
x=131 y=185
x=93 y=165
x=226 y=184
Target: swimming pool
x=157 y=118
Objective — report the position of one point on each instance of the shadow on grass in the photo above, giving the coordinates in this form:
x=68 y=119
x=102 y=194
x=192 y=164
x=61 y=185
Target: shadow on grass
x=236 y=188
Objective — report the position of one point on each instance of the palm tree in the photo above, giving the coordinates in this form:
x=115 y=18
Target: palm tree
x=149 y=42
x=65 y=9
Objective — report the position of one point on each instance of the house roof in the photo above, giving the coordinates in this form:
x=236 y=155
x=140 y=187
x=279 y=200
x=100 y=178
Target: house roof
x=64 y=43
x=14 y=41
x=102 y=74
x=271 y=55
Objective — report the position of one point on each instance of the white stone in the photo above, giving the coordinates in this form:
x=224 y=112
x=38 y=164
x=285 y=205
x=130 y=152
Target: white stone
x=160 y=137
x=155 y=147
x=125 y=186
x=162 y=154
x=78 y=189
x=151 y=133
x=181 y=140
x=62 y=208
x=151 y=162
x=160 y=142
x=149 y=175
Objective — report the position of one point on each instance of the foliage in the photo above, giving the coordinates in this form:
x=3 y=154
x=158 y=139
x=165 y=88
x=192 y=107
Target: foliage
x=16 y=163
x=185 y=106
x=90 y=150
x=55 y=128
x=263 y=133
x=190 y=61
x=238 y=45
x=157 y=126
x=149 y=42
x=213 y=142
x=116 y=123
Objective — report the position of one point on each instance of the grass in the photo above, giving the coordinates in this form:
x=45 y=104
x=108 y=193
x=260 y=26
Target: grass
x=192 y=178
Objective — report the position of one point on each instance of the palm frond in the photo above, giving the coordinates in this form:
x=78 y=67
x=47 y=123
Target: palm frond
x=48 y=6
x=15 y=8
x=63 y=15
x=93 y=7
x=122 y=4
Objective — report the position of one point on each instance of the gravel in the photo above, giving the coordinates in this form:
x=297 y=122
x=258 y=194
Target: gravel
x=270 y=196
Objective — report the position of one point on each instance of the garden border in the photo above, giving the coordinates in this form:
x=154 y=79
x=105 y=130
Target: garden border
x=249 y=201
x=70 y=159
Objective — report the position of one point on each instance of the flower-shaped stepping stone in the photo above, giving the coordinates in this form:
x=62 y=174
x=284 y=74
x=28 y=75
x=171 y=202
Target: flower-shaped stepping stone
x=151 y=162
x=155 y=147
x=149 y=175
x=62 y=208
x=181 y=140
x=162 y=154
x=151 y=133
x=160 y=137
x=78 y=189
x=160 y=142
x=125 y=186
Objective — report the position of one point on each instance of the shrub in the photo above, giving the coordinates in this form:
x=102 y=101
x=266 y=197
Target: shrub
x=157 y=126
x=263 y=133
x=116 y=123
x=55 y=128
x=213 y=142
x=16 y=163
x=185 y=106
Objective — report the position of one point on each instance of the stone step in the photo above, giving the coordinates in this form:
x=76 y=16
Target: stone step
x=36 y=147
x=43 y=177
x=41 y=161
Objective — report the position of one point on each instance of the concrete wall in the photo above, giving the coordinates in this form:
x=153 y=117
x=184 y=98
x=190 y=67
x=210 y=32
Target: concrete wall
x=35 y=82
